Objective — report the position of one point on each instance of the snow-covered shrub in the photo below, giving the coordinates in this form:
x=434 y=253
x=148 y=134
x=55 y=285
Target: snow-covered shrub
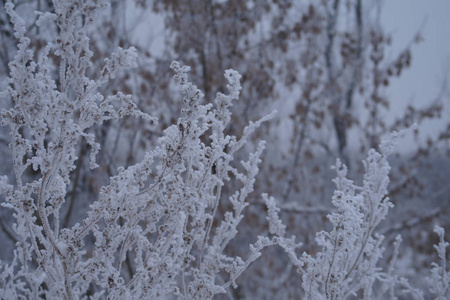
x=158 y=229
x=347 y=265
x=150 y=233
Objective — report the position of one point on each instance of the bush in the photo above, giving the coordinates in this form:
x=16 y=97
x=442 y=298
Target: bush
x=159 y=228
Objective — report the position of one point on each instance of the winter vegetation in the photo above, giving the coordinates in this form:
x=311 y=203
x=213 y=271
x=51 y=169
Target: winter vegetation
x=121 y=179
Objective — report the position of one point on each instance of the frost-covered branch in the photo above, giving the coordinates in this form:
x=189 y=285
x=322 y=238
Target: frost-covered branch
x=158 y=213
x=440 y=276
x=347 y=264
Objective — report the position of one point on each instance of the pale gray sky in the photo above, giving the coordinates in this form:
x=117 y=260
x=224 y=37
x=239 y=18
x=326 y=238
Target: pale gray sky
x=430 y=59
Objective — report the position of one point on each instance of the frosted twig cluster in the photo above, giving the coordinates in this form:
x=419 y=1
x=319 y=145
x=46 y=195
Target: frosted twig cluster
x=348 y=263
x=158 y=213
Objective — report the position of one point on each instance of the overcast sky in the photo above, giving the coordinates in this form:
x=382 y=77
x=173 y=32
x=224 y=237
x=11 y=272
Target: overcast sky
x=431 y=58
